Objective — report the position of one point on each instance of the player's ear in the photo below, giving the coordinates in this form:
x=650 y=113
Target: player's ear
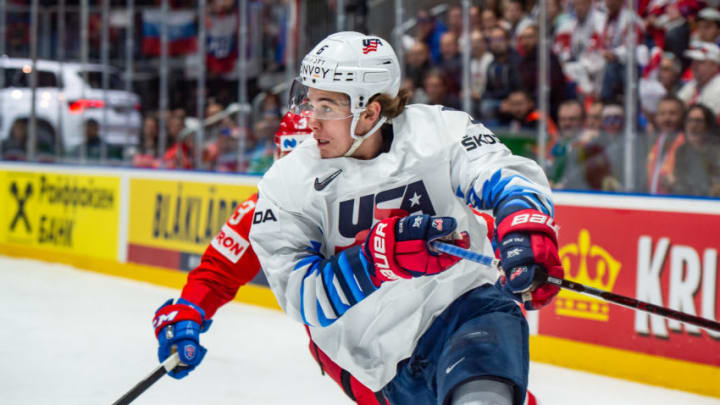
x=368 y=118
x=372 y=112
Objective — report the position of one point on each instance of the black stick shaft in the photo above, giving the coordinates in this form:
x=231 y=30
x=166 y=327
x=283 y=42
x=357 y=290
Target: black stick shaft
x=140 y=387
x=571 y=285
x=148 y=381
x=636 y=304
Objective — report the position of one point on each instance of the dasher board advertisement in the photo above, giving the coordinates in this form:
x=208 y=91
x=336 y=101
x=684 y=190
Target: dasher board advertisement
x=59 y=211
x=171 y=222
x=665 y=258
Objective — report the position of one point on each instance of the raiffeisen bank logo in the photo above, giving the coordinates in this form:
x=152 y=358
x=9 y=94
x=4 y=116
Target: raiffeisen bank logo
x=592 y=266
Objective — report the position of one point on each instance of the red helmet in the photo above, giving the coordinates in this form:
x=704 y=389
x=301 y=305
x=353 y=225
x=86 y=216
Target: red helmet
x=293 y=130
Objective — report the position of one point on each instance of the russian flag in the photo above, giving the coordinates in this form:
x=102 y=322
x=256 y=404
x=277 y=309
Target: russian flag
x=222 y=50
x=182 y=32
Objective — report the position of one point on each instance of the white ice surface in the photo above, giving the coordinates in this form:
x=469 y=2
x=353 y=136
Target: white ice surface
x=69 y=336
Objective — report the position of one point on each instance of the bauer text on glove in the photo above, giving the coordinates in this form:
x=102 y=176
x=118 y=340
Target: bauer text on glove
x=399 y=247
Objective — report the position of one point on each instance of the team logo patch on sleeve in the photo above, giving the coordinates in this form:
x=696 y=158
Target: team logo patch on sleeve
x=230 y=244
x=479 y=140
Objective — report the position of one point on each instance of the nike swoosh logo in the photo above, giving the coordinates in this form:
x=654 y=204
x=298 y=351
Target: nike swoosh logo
x=449 y=369
x=320 y=185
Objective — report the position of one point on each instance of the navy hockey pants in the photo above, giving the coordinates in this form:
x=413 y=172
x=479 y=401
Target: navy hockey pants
x=482 y=334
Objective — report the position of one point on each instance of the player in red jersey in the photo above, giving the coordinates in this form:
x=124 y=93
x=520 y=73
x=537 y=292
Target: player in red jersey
x=228 y=263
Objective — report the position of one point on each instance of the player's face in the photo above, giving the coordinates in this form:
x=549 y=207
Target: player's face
x=332 y=135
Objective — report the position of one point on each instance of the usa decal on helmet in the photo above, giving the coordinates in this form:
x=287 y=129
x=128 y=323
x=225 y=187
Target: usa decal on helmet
x=370 y=45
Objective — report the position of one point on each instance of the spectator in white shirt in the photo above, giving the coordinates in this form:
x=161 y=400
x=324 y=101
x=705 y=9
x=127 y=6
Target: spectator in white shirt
x=707 y=28
x=575 y=38
x=705 y=87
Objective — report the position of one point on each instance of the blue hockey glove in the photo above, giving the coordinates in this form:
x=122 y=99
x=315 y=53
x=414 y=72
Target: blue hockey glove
x=178 y=327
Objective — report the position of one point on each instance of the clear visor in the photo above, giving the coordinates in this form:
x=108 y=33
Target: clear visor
x=318 y=104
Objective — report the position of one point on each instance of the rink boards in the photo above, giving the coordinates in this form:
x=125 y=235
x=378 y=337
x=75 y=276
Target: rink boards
x=148 y=224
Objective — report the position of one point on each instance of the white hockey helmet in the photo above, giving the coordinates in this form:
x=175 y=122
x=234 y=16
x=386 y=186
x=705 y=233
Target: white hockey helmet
x=351 y=63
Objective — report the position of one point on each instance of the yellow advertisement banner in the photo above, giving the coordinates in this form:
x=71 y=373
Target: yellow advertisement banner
x=62 y=212
x=179 y=215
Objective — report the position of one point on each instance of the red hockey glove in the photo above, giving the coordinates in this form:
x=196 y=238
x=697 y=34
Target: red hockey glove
x=399 y=247
x=529 y=253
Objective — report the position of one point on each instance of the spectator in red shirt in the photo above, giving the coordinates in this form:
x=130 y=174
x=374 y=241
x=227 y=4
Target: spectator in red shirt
x=451 y=62
x=180 y=155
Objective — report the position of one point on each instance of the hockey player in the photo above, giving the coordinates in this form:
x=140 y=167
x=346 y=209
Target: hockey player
x=221 y=273
x=216 y=280
x=346 y=249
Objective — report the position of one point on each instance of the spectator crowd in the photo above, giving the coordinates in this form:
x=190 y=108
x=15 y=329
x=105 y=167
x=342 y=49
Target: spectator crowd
x=675 y=147
x=676 y=143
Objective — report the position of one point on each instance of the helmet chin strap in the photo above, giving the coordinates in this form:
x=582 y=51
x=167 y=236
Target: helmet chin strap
x=358 y=139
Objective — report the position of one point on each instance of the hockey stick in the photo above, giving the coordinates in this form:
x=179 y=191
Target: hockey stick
x=168 y=365
x=571 y=285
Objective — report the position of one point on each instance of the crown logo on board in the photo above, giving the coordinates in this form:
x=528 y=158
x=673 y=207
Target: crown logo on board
x=592 y=266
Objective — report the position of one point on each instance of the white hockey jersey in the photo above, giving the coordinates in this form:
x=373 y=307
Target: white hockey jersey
x=310 y=209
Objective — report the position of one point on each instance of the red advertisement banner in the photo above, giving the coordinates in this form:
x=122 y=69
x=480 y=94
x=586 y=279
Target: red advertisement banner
x=665 y=258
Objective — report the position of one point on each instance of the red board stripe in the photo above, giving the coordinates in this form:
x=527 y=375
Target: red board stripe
x=153 y=256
